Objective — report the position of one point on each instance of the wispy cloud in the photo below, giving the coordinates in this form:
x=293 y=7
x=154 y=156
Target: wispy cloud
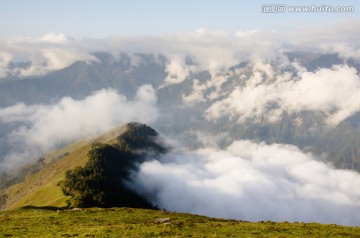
x=211 y=50
x=42 y=128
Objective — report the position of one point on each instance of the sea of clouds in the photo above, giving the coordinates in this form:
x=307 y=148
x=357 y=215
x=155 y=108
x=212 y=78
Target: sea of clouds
x=251 y=181
x=247 y=180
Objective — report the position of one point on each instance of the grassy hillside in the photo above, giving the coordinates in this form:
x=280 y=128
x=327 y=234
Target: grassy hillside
x=40 y=189
x=127 y=222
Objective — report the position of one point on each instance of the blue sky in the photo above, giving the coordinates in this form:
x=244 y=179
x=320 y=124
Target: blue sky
x=99 y=19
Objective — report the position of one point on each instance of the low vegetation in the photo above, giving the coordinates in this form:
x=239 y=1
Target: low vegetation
x=128 y=222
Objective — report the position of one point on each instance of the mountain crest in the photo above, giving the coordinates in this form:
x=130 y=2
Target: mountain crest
x=90 y=173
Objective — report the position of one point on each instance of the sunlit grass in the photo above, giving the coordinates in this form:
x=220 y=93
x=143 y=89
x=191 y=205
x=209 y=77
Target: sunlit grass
x=40 y=188
x=126 y=222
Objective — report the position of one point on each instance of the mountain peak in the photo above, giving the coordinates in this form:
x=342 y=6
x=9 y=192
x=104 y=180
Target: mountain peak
x=114 y=153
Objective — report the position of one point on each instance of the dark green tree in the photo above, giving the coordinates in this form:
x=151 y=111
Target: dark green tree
x=100 y=183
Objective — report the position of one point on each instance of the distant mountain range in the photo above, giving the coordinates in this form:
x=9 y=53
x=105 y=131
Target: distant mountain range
x=187 y=106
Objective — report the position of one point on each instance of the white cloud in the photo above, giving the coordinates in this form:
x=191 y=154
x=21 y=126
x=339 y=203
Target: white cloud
x=177 y=71
x=211 y=50
x=197 y=94
x=47 y=53
x=45 y=127
x=334 y=91
x=268 y=92
x=245 y=34
x=49 y=59
x=250 y=181
x=338 y=37
x=54 y=38
x=5 y=59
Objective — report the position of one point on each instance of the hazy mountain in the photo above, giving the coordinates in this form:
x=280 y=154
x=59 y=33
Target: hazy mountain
x=187 y=107
x=81 y=79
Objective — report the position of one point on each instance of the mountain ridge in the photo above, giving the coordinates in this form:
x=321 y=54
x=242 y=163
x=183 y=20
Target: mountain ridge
x=42 y=188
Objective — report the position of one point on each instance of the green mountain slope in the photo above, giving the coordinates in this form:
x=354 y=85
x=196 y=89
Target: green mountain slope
x=101 y=182
x=41 y=188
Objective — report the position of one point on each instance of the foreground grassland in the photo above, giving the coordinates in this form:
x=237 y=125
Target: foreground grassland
x=126 y=222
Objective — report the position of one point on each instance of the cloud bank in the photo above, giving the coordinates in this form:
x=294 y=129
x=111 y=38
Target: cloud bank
x=42 y=128
x=210 y=50
x=250 y=181
x=44 y=54
x=268 y=92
